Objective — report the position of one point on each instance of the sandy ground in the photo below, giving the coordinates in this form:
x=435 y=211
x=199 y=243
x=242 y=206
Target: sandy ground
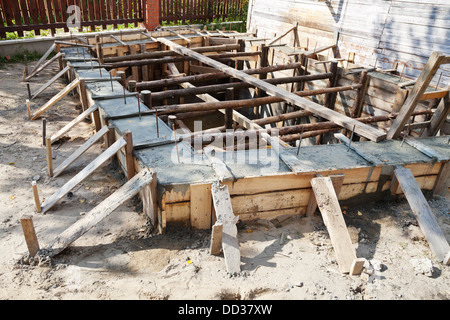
x=284 y=258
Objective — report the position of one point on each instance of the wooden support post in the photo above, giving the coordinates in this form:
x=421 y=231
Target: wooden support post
x=415 y=95
x=330 y=98
x=99 y=49
x=30 y=234
x=48 y=144
x=333 y=219
x=37 y=202
x=337 y=181
x=423 y=213
x=147 y=97
x=443 y=180
x=131 y=170
x=229 y=112
x=439 y=116
x=359 y=100
x=225 y=217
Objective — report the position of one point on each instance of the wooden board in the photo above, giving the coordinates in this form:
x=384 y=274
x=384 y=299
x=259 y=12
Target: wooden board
x=226 y=217
x=56 y=98
x=201 y=206
x=104 y=209
x=45 y=65
x=74 y=156
x=30 y=234
x=72 y=123
x=423 y=213
x=50 y=82
x=83 y=174
x=330 y=209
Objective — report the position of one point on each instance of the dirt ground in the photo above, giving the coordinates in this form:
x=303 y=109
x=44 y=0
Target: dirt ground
x=286 y=258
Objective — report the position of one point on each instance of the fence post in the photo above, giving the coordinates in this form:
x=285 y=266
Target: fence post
x=151 y=20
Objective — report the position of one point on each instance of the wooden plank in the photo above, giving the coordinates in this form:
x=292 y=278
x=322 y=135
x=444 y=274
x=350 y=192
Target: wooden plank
x=50 y=82
x=44 y=57
x=340 y=119
x=30 y=234
x=104 y=209
x=83 y=174
x=72 y=123
x=334 y=221
x=45 y=65
x=337 y=181
x=439 y=116
x=443 y=180
x=74 y=156
x=423 y=213
x=56 y=98
x=201 y=206
x=226 y=217
x=216 y=239
x=415 y=95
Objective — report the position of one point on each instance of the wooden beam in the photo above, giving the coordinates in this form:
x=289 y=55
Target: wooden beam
x=337 y=181
x=45 y=65
x=42 y=59
x=104 y=209
x=50 y=82
x=225 y=216
x=220 y=168
x=72 y=123
x=83 y=174
x=30 y=234
x=423 y=213
x=333 y=219
x=74 y=156
x=443 y=180
x=56 y=98
x=439 y=116
x=347 y=122
x=415 y=95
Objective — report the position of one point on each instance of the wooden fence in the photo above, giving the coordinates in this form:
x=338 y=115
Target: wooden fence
x=27 y=15
x=196 y=10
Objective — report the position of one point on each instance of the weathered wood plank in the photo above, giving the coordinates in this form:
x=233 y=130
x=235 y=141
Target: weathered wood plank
x=83 y=174
x=330 y=209
x=74 y=156
x=30 y=234
x=423 y=213
x=50 y=82
x=226 y=217
x=433 y=63
x=56 y=98
x=104 y=209
x=72 y=123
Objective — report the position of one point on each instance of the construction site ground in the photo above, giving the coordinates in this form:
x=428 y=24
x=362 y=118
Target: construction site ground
x=285 y=258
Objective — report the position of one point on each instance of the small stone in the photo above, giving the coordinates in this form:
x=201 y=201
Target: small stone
x=36 y=177
x=422 y=266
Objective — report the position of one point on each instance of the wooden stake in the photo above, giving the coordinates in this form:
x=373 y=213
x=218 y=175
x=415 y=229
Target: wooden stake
x=36 y=196
x=30 y=234
x=48 y=144
x=29 y=109
x=131 y=170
